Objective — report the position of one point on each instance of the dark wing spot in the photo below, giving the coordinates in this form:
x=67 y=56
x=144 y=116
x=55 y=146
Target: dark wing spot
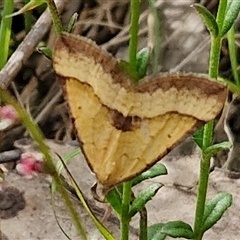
x=123 y=123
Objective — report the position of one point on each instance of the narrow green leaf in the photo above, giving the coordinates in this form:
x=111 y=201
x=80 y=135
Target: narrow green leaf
x=214 y=209
x=144 y=196
x=178 y=229
x=233 y=8
x=29 y=6
x=66 y=159
x=72 y=22
x=208 y=19
x=222 y=9
x=115 y=200
x=233 y=55
x=5 y=31
x=231 y=85
x=47 y=52
x=213 y=149
x=102 y=229
x=154 y=232
x=156 y=170
x=142 y=61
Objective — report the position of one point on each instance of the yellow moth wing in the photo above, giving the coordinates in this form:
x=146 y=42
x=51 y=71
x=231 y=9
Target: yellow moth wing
x=124 y=129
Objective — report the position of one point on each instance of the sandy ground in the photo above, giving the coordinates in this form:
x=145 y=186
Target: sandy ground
x=36 y=220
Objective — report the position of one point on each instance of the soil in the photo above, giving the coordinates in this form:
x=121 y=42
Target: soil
x=176 y=200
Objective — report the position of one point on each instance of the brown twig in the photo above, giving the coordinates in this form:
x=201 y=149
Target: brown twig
x=25 y=49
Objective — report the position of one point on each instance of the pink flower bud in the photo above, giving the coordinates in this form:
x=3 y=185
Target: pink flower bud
x=29 y=165
x=8 y=112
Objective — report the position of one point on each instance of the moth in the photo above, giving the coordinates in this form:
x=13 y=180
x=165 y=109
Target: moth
x=124 y=128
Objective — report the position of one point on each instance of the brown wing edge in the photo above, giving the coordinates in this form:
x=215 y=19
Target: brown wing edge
x=78 y=44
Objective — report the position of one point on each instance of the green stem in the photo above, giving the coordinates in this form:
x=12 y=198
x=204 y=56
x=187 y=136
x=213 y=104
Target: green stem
x=207 y=141
x=5 y=31
x=216 y=43
x=233 y=54
x=222 y=7
x=208 y=128
x=214 y=57
x=49 y=166
x=125 y=219
x=156 y=38
x=201 y=197
x=133 y=43
x=203 y=181
x=55 y=16
x=143 y=224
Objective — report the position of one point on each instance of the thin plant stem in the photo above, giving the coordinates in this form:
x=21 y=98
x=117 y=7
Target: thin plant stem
x=133 y=44
x=208 y=128
x=156 y=37
x=5 y=31
x=201 y=198
x=215 y=56
x=207 y=141
x=217 y=42
x=233 y=54
x=49 y=166
x=125 y=219
x=55 y=16
x=143 y=223
x=203 y=181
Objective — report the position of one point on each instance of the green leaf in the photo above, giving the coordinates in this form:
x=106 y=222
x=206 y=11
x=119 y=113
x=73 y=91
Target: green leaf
x=47 y=52
x=233 y=55
x=66 y=159
x=208 y=19
x=177 y=229
x=154 y=232
x=198 y=137
x=29 y=6
x=213 y=149
x=144 y=196
x=155 y=171
x=72 y=22
x=233 y=8
x=214 y=209
x=142 y=61
x=115 y=200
